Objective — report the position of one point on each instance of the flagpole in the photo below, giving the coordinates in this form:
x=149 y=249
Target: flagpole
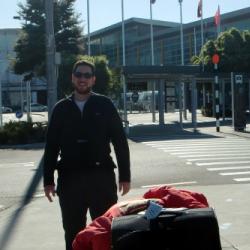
x=202 y=37
x=181 y=32
x=218 y=26
x=125 y=116
x=89 y=52
x=151 y=35
x=123 y=35
x=152 y=59
x=182 y=93
x=195 y=49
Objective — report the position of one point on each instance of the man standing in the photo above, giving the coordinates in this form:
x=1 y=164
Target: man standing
x=79 y=134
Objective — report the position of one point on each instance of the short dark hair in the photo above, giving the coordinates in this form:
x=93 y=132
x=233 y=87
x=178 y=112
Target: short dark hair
x=84 y=62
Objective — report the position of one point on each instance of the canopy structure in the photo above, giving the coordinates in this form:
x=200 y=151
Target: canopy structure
x=178 y=74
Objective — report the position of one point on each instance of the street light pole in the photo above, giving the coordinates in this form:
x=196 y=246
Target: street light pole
x=50 y=56
x=89 y=51
x=2 y=69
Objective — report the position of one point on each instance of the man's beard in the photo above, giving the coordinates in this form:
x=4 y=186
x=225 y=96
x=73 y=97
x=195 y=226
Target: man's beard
x=83 y=91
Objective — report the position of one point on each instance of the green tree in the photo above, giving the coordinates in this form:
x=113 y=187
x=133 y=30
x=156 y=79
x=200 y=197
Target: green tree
x=31 y=48
x=233 y=47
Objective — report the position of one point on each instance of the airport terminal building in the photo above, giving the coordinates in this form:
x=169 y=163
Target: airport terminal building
x=108 y=41
x=167 y=46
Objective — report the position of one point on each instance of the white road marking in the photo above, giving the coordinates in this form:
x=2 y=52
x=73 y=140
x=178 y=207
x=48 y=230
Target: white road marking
x=230 y=153
x=235 y=173
x=17 y=164
x=228 y=168
x=29 y=164
x=242 y=179
x=195 y=141
x=221 y=163
x=170 y=184
x=220 y=158
x=225 y=226
x=187 y=154
x=39 y=195
x=192 y=149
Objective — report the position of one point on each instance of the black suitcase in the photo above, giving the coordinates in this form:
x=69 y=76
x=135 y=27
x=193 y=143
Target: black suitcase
x=188 y=229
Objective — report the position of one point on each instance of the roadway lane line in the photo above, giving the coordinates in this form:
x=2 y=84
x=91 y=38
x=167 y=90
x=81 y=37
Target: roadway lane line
x=228 y=168
x=170 y=184
x=235 y=173
x=241 y=179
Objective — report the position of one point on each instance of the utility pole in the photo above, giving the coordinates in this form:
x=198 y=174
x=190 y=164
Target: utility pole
x=50 y=56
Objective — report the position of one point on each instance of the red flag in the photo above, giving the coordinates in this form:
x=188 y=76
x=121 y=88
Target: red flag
x=199 y=10
x=152 y=1
x=217 y=17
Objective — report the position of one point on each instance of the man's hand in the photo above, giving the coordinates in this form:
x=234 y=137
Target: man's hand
x=49 y=192
x=124 y=187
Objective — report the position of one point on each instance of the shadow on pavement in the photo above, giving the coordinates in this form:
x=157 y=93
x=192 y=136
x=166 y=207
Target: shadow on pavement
x=168 y=131
x=15 y=217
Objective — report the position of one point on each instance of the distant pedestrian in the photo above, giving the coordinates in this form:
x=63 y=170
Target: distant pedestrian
x=79 y=134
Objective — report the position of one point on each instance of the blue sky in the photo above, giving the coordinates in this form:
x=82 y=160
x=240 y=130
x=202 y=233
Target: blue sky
x=106 y=12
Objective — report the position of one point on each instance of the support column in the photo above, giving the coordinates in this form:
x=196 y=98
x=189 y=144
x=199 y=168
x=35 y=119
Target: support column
x=194 y=103
x=161 y=102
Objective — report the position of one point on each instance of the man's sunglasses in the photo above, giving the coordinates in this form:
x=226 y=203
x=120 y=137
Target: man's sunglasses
x=86 y=75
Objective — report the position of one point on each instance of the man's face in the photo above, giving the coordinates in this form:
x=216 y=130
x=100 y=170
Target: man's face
x=83 y=79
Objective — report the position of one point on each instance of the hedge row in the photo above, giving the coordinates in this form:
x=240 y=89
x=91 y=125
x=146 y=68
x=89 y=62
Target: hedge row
x=22 y=132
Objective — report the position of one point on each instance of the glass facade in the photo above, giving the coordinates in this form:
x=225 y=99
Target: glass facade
x=166 y=35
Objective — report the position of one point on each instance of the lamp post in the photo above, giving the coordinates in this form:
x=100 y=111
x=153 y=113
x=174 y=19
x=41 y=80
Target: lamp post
x=125 y=116
x=50 y=56
x=2 y=69
x=182 y=87
x=89 y=51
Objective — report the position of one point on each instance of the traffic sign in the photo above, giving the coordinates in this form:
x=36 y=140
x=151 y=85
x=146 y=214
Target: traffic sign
x=239 y=79
x=19 y=114
x=216 y=59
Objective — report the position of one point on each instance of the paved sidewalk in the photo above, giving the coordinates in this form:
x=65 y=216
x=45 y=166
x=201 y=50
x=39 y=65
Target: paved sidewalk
x=140 y=124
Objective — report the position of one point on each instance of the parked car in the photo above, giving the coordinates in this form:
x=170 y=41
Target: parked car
x=36 y=107
x=6 y=109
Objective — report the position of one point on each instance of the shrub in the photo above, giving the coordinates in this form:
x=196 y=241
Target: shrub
x=21 y=132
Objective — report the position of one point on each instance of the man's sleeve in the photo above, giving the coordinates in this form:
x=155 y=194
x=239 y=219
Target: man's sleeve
x=51 y=148
x=120 y=143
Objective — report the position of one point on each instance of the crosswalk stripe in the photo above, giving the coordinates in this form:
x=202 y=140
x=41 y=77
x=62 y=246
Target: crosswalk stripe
x=212 y=155
x=198 y=148
x=194 y=144
x=242 y=179
x=221 y=163
x=220 y=158
x=228 y=168
x=211 y=151
x=196 y=141
x=235 y=173
x=170 y=184
x=15 y=164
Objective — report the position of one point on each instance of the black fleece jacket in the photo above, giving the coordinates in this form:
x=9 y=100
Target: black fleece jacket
x=83 y=139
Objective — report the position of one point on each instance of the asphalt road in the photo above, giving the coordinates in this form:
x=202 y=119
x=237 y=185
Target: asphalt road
x=216 y=164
